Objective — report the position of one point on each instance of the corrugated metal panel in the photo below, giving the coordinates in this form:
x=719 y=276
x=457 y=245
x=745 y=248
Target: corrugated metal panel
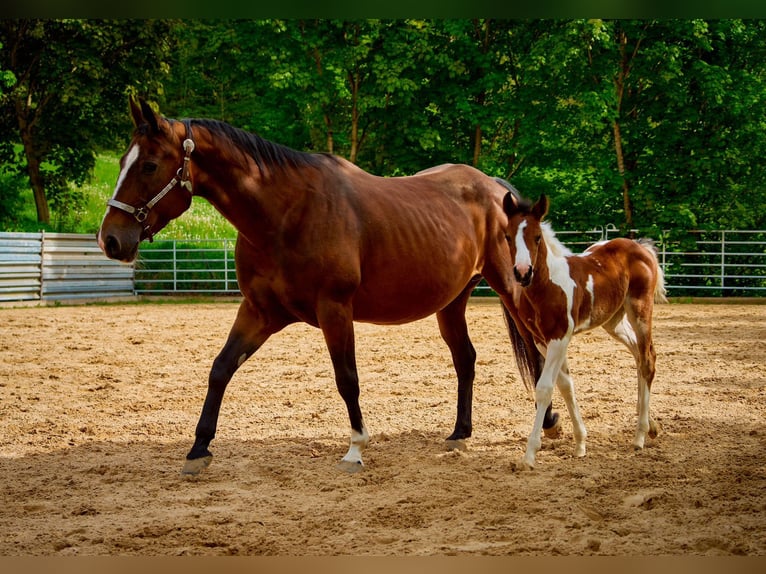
x=20 y=266
x=56 y=266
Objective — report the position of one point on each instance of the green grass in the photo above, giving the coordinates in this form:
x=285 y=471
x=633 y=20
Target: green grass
x=201 y=221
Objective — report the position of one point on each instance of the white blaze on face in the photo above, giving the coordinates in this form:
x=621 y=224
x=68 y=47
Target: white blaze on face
x=130 y=159
x=523 y=258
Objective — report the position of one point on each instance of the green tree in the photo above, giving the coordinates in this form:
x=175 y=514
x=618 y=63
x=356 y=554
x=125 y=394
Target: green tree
x=653 y=121
x=71 y=82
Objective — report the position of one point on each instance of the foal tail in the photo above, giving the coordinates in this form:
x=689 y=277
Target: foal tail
x=660 y=293
x=528 y=358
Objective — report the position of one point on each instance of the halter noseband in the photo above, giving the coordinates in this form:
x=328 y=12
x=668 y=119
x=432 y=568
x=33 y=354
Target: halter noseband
x=182 y=177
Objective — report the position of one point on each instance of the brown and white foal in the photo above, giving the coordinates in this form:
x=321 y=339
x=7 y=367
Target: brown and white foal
x=613 y=284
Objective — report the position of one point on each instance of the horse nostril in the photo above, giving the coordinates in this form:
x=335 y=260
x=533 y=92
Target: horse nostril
x=112 y=246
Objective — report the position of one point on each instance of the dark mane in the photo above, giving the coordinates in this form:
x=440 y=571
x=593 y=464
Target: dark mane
x=264 y=152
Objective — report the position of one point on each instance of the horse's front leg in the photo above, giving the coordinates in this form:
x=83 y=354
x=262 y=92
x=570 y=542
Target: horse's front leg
x=336 y=322
x=249 y=332
x=454 y=331
x=554 y=359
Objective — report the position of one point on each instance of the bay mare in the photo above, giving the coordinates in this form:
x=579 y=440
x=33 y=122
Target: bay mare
x=323 y=242
x=613 y=284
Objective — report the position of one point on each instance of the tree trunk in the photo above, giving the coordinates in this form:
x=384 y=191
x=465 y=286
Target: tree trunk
x=354 y=81
x=33 y=166
x=621 y=168
x=476 y=145
x=619 y=85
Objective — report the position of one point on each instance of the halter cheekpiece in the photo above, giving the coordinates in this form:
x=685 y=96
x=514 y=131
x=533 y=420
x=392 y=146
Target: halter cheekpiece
x=181 y=177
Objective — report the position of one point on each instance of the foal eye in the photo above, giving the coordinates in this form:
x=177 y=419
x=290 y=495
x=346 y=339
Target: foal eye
x=149 y=168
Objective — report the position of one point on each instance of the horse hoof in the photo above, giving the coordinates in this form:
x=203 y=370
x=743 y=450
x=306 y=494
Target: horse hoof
x=523 y=466
x=654 y=428
x=196 y=465
x=555 y=431
x=350 y=466
x=456 y=444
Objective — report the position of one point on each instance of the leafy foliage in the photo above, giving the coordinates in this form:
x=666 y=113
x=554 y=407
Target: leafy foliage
x=640 y=123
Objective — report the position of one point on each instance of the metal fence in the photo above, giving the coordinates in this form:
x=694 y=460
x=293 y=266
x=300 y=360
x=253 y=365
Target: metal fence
x=58 y=266
x=696 y=263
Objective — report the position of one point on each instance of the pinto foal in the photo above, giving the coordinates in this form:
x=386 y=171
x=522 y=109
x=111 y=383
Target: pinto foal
x=613 y=284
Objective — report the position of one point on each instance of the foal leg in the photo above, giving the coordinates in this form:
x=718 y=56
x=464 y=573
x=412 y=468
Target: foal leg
x=554 y=359
x=530 y=362
x=336 y=322
x=635 y=334
x=454 y=331
x=249 y=332
x=566 y=387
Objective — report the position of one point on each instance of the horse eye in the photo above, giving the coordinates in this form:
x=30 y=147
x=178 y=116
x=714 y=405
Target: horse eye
x=538 y=238
x=149 y=168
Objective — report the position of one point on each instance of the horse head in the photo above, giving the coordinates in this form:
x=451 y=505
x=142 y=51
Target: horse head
x=524 y=234
x=154 y=185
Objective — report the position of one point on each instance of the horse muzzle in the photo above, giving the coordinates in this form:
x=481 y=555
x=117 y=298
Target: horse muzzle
x=122 y=247
x=523 y=274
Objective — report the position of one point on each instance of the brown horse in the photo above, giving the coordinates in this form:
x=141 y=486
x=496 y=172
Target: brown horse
x=322 y=242
x=613 y=284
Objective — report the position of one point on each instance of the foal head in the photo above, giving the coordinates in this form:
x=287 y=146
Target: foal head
x=524 y=234
x=150 y=188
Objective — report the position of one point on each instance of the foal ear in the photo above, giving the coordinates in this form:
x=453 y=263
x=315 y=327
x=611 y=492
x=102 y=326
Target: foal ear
x=510 y=205
x=540 y=208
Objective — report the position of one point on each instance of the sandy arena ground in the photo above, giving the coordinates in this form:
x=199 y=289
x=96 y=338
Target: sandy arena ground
x=98 y=406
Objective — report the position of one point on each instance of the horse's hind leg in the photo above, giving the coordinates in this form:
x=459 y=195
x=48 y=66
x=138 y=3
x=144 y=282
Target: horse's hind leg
x=633 y=329
x=454 y=331
x=249 y=332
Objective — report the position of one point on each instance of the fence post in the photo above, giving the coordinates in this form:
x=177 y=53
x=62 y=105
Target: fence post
x=175 y=267
x=723 y=257
x=226 y=264
x=42 y=262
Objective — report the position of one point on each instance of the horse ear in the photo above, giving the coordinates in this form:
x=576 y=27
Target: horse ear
x=510 y=205
x=150 y=117
x=540 y=208
x=135 y=111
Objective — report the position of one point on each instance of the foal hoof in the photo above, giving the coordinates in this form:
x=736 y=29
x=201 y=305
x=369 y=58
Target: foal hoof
x=555 y=431
x=654 y=428
x=196 y=465
x=456 y=444
x=523 y=465
x=350 y=466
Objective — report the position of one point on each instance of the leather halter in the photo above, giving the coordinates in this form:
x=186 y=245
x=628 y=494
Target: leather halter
x=182 y=177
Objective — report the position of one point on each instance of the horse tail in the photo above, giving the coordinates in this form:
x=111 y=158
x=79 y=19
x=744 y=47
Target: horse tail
x=528 y=358
x=660 y=292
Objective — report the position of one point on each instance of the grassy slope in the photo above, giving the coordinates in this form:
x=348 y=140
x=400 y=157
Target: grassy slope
x=202 y=221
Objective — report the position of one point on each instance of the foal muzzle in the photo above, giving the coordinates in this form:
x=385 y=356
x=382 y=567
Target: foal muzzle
x=524 y=278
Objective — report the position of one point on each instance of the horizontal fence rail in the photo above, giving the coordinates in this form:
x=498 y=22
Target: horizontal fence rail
x=59 y=266
x=35 y=266
x=696 y=263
